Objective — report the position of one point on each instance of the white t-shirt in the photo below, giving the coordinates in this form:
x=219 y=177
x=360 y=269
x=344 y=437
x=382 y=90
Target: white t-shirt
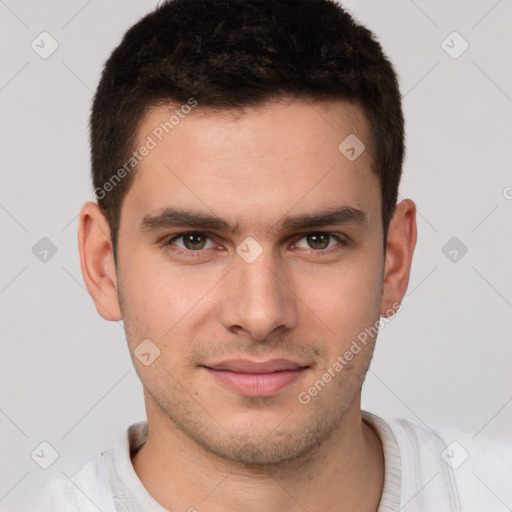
x=426 y=470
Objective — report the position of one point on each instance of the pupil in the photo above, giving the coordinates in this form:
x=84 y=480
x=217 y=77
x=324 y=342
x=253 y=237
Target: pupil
x=318 y=241
x=194 y=241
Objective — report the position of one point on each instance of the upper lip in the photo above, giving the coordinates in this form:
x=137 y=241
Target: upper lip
x=247 y=366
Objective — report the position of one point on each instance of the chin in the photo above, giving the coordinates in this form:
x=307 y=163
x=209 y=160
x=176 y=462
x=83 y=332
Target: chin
x=262 y=449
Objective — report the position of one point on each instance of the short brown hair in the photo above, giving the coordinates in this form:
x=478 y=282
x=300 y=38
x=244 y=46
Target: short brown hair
x=230 y=54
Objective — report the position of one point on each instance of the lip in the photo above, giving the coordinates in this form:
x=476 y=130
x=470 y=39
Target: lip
x=256 y=378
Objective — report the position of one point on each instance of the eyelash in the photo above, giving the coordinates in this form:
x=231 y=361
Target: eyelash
x=342 y=242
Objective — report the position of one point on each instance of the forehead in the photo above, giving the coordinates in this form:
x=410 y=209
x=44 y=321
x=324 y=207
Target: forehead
x=279 y=127
x=259 y=161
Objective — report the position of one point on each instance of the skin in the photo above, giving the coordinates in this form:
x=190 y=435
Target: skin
x=209 y=447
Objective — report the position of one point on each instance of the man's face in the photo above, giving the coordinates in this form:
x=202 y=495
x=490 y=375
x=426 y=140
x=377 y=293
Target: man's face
x=244 y=326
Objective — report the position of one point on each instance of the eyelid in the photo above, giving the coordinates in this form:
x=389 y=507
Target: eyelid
x=168 y=240
x=339 y=237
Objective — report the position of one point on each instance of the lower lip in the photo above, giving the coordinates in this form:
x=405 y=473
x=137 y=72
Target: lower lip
x=256 y=384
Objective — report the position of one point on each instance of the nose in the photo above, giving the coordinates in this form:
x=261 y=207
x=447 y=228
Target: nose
x=259 y=303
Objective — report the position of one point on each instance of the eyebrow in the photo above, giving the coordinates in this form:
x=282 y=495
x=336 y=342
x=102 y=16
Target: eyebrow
x=173 y=217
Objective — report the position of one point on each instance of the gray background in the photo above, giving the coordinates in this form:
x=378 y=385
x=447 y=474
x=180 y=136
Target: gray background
x=66 y=375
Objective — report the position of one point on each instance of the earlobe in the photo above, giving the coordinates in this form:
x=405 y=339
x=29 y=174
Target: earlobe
x=400 y=245
x=97 y=261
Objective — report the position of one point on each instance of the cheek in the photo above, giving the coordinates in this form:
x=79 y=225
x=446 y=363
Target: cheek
x=350 y=288
x=160 y=299
x=345 y=300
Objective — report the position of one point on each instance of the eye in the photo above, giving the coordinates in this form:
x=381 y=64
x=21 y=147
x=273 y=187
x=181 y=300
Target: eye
x=191 y=241
x=319 y=241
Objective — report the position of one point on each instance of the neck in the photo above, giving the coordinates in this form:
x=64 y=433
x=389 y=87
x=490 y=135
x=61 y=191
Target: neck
x=346 y=472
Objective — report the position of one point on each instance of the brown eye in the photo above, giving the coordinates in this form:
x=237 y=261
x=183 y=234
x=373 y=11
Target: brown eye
x=194 y=241
x=318 y=240
x=191 y=241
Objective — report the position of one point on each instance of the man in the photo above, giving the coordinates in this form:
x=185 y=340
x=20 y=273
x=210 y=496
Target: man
x=246 y=157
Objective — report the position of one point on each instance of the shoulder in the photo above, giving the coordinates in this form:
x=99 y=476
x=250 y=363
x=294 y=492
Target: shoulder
x=85 y=490
x=451 y=445
x=474 y=468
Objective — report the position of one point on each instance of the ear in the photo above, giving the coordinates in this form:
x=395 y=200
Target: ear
x=97 y=261
x=400 y=245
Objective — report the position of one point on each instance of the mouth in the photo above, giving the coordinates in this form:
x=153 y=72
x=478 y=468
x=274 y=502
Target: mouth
x=253 y=378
